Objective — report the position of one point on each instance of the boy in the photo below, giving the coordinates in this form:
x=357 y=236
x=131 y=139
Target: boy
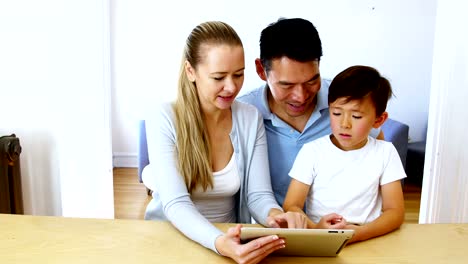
x=349 y=172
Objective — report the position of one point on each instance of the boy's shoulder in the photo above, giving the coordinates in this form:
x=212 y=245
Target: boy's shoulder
x=380 y=146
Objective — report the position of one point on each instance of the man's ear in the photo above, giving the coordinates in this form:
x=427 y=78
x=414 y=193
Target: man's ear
x=380 y=120
x=260 y=70
x=190 y=71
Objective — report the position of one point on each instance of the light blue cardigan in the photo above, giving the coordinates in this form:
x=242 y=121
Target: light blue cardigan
x=171 y=200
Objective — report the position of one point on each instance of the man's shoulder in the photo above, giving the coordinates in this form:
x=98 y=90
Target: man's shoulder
x=325 y=83
x=256 y=97
x=252 y=97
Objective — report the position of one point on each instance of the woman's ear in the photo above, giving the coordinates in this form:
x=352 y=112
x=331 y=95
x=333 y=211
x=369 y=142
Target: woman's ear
x=260 y=70
x=380 y=120
x=190 y=71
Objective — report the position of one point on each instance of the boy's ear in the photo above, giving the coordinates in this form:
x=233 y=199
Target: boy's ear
x=380 y=120
x=190 y=71
x=260 y=70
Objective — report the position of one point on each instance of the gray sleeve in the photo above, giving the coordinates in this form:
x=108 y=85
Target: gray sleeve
x=260 y=194
x=169 y=184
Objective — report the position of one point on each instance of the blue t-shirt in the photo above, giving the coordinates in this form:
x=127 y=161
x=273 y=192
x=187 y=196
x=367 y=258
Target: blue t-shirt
x=284 y=142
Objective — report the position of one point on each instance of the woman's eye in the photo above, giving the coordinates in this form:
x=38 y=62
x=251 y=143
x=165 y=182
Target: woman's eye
x=218 y=78
x=336 y=114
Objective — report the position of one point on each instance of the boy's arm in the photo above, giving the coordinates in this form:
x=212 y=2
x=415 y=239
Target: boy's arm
x=393 y=214
x=295 y=199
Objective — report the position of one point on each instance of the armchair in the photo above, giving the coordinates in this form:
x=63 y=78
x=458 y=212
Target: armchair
x=394 y=131
x=397 y=133
x=143 y=159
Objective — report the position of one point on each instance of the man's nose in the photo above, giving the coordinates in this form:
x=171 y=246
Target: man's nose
x=299 y=93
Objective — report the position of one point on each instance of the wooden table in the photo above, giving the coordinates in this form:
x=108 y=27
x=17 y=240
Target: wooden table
x=41 y=239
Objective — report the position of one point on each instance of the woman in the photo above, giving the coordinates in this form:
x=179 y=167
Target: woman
x=208 y=152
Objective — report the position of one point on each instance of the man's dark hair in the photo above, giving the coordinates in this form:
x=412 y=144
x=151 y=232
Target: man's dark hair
x=358 y=82
x=295 y=38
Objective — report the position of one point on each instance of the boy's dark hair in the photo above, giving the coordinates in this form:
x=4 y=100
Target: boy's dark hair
x=295 y=38
x=358 y=82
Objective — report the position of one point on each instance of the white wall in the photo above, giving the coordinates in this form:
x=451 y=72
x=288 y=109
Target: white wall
x=54 y=85
x=396 y=37
x=445 y=183
x=55 y=95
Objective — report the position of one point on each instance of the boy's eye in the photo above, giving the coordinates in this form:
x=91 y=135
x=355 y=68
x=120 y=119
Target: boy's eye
x=336 y=114
x=357 y=117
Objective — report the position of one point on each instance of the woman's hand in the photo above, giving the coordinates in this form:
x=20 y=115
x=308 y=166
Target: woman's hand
x=278 y=218
x=252 y=252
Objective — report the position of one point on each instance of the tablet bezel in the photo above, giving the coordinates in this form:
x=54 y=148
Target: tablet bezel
x=303 y=242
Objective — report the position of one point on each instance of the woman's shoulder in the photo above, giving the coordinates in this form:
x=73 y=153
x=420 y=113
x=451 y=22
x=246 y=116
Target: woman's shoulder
x=163 y=109
x=245 y=110
x=161 y=113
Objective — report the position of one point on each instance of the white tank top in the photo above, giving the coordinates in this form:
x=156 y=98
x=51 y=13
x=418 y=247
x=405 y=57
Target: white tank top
x=218 y=204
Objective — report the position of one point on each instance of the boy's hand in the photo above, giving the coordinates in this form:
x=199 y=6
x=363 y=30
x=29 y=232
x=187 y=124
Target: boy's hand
x=332 y=221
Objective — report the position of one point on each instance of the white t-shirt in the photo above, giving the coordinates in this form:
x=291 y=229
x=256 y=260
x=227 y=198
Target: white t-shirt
x=346 y=182
x=218 y=205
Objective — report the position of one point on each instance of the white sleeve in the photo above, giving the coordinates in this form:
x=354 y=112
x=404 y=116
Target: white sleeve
x=393 y=169
x=303 y=167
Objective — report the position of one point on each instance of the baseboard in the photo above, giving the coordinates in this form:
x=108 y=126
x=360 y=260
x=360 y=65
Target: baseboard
x=125 y=160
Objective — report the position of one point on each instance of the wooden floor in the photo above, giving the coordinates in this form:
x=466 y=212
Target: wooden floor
x=131 y=198
x=412 y=195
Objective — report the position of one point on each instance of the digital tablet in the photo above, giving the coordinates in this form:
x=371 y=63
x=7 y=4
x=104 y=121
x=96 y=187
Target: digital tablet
x=303 y=242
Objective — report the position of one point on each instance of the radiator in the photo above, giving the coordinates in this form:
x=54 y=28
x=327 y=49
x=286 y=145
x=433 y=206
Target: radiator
x=11 y=197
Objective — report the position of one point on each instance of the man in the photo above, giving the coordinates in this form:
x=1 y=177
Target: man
x=293 y=101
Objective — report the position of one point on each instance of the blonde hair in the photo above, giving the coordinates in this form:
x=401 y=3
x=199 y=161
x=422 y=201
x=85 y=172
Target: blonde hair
x=193 y=146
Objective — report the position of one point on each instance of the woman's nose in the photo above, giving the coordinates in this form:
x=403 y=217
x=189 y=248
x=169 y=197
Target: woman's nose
x=230 y=85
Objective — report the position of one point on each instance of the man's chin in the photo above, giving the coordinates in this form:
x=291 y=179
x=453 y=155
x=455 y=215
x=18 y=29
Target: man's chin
x=296 y=112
